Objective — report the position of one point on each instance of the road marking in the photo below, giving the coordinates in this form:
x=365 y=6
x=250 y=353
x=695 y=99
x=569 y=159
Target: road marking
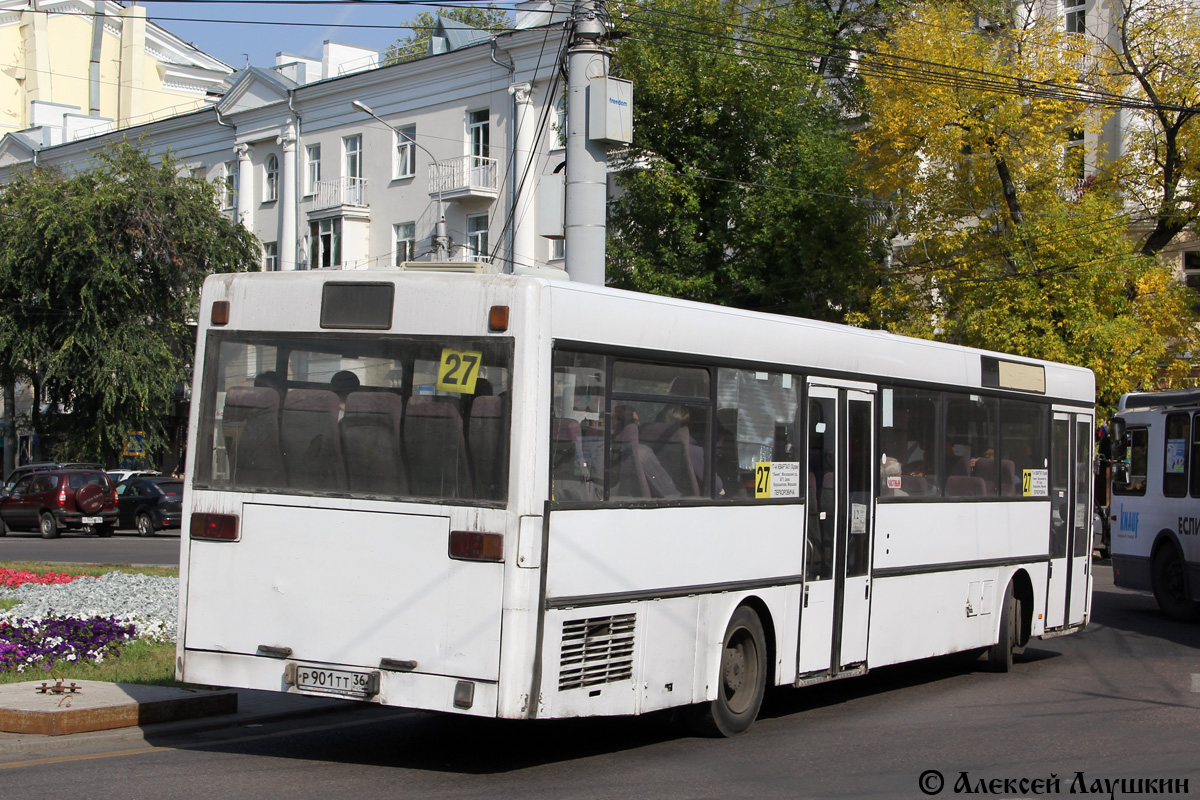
x=1196 y=682
x=64 y=759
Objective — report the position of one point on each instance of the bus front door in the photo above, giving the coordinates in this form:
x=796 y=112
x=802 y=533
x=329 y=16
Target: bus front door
x=835 y=609
x=1070 y=520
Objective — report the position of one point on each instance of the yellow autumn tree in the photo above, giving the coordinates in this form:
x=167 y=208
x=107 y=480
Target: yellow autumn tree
x=1000 y=241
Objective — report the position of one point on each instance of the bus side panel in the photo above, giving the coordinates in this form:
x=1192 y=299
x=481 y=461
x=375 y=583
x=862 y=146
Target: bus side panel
x=916 y=534
x=617 y=551
x=920 y=616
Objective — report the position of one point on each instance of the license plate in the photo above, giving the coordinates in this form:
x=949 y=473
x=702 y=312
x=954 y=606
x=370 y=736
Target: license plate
x=335 y=681
x=92 y=520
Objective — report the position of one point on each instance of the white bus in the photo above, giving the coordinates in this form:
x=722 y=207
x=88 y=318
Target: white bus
x=1155 y=508
x=520 y=498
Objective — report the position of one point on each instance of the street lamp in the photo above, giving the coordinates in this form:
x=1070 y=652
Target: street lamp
x=441 y=239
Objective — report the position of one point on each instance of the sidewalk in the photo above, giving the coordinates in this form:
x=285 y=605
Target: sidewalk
x=101 y=711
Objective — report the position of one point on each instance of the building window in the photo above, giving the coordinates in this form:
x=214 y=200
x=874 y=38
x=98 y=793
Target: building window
x=271 y=179
x=1075 y=153
x=558 y=122
x=405 y=238
x=270 y=256
x=325 y=237
x=405 y=165
x=1191 y=275
x=558 y=249
x=479 y=131
x=477 y=236
x=314 y=168
x=1075 y=16
x=352 y=149
x=230 y=188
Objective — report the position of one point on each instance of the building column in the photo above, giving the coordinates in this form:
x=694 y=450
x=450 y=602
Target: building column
x=245 y=186
x=133 y=65
x=524 y=241
x=289 y=190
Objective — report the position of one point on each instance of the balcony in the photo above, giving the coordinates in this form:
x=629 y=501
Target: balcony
x=468 y=176
x=340 y=192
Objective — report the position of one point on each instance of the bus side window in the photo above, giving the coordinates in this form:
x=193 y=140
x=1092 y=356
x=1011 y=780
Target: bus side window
x=1175 y=462
x=1136 y=444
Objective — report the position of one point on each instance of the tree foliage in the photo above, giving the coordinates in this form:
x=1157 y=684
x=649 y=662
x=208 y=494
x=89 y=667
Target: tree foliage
x=416 y=44
x=1156 y=57
x=99 y=274
x=1005 y=246
x=740 y=187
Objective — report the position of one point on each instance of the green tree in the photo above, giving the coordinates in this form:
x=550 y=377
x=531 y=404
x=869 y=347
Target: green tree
x=99 y=274
x=416 y=44
x=740 y=186
x=1005 y=244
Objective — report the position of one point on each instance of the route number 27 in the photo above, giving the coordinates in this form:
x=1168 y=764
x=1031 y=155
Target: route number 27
x=459 y=370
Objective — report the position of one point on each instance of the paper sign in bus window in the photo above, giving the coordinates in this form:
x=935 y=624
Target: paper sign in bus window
x=775 y=479
x=459 y=370
x=1035 y=483
x=1176 y=456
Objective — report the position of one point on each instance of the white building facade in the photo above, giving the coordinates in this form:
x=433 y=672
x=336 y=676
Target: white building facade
x=354 y=169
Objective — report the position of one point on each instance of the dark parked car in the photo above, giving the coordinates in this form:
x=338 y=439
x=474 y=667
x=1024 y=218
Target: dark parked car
x=61 y=499
x=45 y=466
x=150 y=504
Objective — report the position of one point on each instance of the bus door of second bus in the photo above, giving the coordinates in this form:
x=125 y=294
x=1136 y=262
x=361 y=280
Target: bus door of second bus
x=841 y=517
x=1070 y=519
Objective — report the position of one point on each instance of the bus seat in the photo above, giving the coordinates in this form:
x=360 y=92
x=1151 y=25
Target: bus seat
x=485 y=437
x=965 y=486
x=1008 y=479
x=435 y=448
x=251 y=428
x=312 y=447
x=681 y=458
x=986 y=468
x=914 y=484
x=371 y=431
x=626 y=461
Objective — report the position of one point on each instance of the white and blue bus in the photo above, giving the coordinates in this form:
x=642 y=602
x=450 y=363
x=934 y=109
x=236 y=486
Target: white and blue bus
x=1155 y=511
x=521 y=498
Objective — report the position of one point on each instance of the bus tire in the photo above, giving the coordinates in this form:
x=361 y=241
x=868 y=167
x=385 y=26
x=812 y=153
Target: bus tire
x=1000 y=655
x=1169 y=580
x=742 y=679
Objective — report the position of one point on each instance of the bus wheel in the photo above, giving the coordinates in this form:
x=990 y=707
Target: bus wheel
x=742 y=679
x=1000 y=655
x=1170 y=585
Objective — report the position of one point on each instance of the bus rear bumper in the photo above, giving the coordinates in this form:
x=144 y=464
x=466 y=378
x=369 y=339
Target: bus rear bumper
x=396 y=689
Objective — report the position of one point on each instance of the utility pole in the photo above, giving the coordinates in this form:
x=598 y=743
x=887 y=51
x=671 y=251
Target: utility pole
x=587 y=160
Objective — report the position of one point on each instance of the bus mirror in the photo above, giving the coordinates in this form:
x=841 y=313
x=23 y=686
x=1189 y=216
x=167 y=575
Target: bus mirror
x=1116 y=435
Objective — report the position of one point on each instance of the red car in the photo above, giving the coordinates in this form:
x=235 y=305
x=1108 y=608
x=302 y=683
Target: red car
x=58 y=500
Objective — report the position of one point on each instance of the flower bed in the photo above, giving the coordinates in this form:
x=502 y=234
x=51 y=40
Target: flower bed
x=13 y=578
x=45 y=643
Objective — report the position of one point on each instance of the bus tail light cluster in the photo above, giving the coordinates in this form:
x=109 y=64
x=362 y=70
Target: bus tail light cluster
x=475 y=546
x=219 y=527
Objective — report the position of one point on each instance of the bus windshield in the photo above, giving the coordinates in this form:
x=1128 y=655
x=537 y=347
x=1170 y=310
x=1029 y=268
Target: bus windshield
x=352 y=414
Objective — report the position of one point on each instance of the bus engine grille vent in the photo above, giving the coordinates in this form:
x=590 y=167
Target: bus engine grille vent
x=597 y=650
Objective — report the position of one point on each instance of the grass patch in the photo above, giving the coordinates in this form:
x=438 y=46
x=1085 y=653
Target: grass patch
x=140 y=662
x=5 y=605
x=90 y=569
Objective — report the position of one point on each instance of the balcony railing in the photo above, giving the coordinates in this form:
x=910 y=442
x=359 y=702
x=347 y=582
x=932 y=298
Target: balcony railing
x=340 y=192
x=468 y=176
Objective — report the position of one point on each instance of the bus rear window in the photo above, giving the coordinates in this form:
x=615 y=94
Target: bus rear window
x=348 y=414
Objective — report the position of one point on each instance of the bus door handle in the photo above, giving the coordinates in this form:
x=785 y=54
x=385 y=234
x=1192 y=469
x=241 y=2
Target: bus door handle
x=806 y=595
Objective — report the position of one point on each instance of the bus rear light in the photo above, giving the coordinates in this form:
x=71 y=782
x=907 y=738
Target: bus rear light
x=219 y=527
x=498 y=319
x=475 y=546
x=220 y=312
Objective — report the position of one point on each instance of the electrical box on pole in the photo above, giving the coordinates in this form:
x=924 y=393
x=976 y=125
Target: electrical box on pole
x=610 y=110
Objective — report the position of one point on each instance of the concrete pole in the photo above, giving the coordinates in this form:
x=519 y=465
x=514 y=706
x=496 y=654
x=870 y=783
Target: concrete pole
x=287 y=195
x=587 y=161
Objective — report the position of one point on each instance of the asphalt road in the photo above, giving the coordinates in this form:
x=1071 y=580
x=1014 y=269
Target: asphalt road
x=1120 y=700
x=125 y=547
